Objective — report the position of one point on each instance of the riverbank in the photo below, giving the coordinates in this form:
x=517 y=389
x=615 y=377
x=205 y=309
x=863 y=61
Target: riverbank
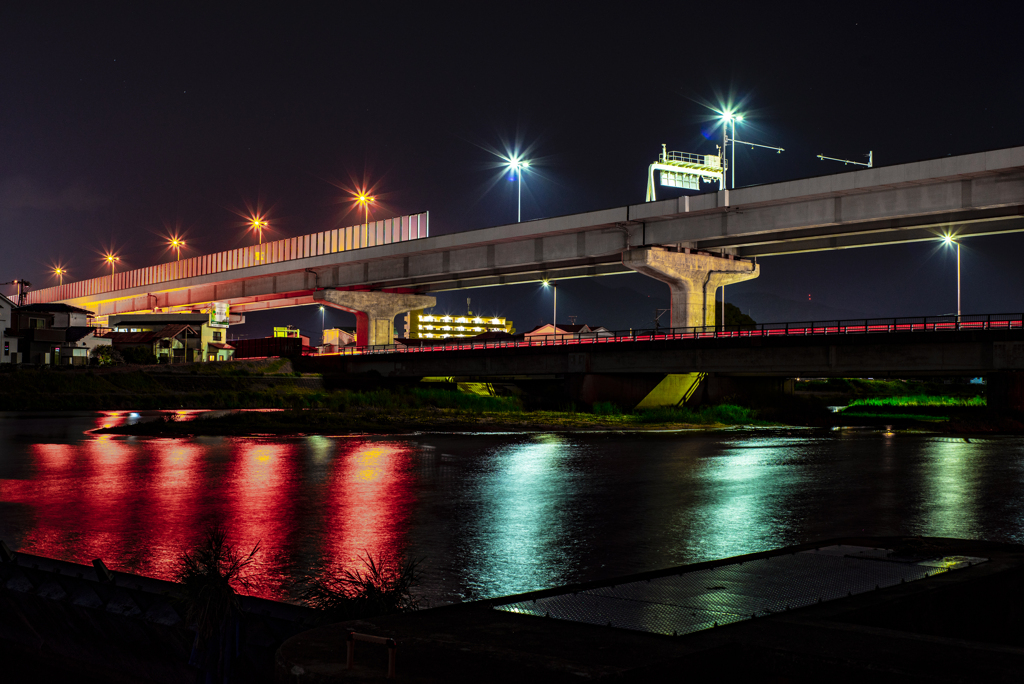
x=884 y=609
x=377 y=420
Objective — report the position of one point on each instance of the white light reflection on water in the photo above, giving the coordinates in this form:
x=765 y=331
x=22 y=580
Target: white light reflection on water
x=519 y=532
x=949 y=470
x=746 y=503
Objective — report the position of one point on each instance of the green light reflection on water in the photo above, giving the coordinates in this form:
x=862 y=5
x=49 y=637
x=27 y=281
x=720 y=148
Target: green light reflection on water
x=746 y=498
x=949 y=488
x=519 y=532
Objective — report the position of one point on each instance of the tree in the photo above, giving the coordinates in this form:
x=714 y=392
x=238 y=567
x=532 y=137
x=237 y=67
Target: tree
x=734 y=318
x=106 y=355
x=139 y=355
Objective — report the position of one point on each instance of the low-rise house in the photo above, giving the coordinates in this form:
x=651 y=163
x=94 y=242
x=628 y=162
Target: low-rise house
x=565 y=330
x=8 y=343
x=79 y=341
x=171 y=344
x=212 y=339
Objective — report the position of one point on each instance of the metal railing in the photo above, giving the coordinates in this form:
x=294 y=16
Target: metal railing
x=708 y=160
x=372 y=234
x=920 y=324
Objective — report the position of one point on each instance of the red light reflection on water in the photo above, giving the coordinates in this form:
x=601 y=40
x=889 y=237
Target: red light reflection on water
x=138 y=503
x=174 y=493
x=260 y=497
x=370 y=498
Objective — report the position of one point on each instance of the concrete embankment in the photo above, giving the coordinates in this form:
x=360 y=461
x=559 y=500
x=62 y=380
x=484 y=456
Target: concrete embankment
x=856 y=609
x=58 y=616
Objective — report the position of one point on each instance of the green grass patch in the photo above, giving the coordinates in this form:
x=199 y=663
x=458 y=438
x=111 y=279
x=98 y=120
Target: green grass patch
x=919 y=400
x=606 y=408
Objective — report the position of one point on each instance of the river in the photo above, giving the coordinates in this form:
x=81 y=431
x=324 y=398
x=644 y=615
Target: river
x=489 y=514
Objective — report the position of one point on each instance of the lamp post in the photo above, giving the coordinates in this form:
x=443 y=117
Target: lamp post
x=365 y=200
x=111 y=259
x=554 y=305
x=176 y=244
x=516 y=165
x=323 y=325
x=950 y=241
x=729 y=118
x=59 y=272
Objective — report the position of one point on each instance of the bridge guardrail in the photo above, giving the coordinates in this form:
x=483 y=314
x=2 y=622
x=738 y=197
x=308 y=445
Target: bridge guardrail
x=865 y=326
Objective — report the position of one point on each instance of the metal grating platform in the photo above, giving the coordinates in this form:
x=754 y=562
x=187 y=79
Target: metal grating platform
x=701 y=599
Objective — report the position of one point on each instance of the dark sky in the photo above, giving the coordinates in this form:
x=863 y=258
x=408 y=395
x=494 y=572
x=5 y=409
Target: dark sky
x=118 y=125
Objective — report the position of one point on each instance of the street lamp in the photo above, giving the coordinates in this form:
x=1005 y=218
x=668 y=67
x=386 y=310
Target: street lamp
x=111 y=259
x=323 y=325
x=259 y=224
x=59 y=272
x=554 y=304
x=517 y=165
x=729 y=118
x=176 y=244
x=366 y=200
x=950 y=241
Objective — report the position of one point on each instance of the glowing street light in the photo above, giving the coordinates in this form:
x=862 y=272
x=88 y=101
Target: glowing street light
x=258 y=224
x=729 y=118
x=323 y=325
x=111 y=259
x=365 y=200
x=950 y=241
x=517 y=165
x=554 y=304
x=176 y=244
x=59 y=271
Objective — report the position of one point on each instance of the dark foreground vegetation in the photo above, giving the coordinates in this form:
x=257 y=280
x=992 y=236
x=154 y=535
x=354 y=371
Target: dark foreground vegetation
x=311 y=406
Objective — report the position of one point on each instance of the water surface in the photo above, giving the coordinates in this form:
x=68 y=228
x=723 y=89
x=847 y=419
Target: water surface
x=491 y=515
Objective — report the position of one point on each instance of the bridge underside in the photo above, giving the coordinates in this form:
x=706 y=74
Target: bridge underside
x=615 y=365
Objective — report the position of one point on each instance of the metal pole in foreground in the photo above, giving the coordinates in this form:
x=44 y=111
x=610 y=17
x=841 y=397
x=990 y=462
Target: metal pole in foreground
x=958 y=281
x=554 y=313
x=725 y=150
x=732 y=172
x=723 y=308
x=519 y=211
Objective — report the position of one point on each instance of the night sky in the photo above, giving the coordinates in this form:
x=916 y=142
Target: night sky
x=120 y=126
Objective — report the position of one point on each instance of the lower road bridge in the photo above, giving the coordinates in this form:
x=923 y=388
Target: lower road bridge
x=673 y=366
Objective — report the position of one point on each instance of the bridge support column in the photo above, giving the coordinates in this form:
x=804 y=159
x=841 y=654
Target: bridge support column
x=693 y=279
x=375 y=311
x=1005 y=391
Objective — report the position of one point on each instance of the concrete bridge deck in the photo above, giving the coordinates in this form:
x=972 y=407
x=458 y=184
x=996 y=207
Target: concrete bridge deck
x=970 y=195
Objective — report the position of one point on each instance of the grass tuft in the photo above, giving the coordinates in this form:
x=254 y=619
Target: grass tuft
x=381 y=587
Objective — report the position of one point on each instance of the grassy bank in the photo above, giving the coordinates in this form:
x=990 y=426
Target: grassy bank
x=432 y=410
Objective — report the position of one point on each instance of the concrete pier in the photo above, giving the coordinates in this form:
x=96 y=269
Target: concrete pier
x=693 y=279
x=375 y=311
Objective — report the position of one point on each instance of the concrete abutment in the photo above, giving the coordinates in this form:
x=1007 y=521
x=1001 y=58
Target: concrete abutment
x=1005 y=391
x=693 y=279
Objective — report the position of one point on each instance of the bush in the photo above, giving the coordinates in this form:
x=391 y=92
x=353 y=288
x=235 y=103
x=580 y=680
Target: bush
x=211 y=573
x=383 y=586
x=606 y=408
x=139 y=355
x=106 y=356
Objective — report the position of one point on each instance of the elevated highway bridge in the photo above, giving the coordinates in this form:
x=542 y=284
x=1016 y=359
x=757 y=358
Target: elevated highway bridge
x=695 y=244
